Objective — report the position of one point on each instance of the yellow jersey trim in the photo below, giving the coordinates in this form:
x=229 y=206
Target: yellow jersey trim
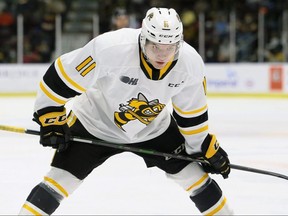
x=51 y=96
x=65 y=75
x=191 y=111
x=193 y=132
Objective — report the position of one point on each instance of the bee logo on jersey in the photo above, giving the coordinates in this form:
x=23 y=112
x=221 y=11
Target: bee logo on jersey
x=138 y=109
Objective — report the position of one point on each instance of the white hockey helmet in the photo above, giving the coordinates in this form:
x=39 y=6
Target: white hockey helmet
x=161 y=25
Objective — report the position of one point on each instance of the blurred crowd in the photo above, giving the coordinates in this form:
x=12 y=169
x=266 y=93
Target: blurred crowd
x=39 y=25
x=38 y=28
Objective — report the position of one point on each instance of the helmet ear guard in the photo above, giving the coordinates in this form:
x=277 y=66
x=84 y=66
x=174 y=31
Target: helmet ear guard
x=162 y=26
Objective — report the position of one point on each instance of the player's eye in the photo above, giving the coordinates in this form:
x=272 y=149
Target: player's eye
x=155 y=47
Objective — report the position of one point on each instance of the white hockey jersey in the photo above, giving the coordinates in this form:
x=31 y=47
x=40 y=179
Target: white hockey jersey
x=121 y=98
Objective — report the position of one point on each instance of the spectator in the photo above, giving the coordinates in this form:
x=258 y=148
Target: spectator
x=190 y=25
x=39 y=15
x=7 y=34
x=274 y=51
x=246 y=40
x=120 y=19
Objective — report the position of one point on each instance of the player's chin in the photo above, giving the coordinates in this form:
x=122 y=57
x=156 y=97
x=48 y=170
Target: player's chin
x=159 y=64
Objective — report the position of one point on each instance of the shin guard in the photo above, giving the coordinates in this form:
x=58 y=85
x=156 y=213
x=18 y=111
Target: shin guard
x=210 y=201
x=45 y=198
x=42 y=200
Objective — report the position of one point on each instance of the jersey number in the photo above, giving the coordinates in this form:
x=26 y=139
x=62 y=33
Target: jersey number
x=86 y=66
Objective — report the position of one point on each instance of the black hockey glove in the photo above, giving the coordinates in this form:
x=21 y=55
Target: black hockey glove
x=54 y=131
x=216 y=156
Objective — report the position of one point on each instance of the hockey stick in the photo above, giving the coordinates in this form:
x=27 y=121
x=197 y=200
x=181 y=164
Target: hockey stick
x=144 y=151
x=106 y=144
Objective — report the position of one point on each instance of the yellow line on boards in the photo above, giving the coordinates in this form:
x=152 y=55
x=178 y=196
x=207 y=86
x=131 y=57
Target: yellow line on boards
x=235 y=95
x=18 y=94
x=248 y=95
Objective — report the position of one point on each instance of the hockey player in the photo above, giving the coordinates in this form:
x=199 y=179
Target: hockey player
x=121 y=83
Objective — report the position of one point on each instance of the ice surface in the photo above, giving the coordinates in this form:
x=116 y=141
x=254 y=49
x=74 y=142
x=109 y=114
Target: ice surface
x=253 y=131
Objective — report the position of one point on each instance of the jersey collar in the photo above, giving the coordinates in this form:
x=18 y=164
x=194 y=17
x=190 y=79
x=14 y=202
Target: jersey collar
x=153 y=73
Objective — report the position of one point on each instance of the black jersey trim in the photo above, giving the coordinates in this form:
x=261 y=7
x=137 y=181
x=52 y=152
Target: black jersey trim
x=190 y=122
x=55 y=83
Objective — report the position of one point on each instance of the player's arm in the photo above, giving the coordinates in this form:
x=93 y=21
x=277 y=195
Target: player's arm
x=70 y=75
x=191 y=114
x=190 y=111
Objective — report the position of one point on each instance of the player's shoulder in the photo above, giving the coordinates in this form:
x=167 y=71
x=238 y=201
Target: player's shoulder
x=115 y=48
x=190 y=61
x=124 y=36
x=188 y=52
x=189 y=57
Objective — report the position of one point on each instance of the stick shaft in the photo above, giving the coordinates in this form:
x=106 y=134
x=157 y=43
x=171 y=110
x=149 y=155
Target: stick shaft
x=130 y=148
x=126 y=147
x=253 y=170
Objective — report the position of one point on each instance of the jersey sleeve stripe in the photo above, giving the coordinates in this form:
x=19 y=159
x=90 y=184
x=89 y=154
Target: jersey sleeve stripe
x=56 y=84
x=65 y=75
x=192 y=121
x=51 y=96
x=193 y=132
x=191 y=112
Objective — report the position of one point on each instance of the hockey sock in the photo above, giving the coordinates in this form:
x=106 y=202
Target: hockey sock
x=210 y=200
x=44 y=198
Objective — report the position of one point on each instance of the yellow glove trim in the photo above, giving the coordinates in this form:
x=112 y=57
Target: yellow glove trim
x=213 y=147
x=53 y=118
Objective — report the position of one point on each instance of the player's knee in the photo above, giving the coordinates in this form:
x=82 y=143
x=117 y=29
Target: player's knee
x=191 y=178
x=203 y=191
x=46 y=196
x=62 y=181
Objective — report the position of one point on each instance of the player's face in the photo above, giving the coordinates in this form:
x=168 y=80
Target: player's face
x=159 y=54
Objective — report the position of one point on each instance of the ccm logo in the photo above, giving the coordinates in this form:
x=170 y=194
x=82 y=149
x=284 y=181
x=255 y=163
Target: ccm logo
x=175 y=84
x=165 y=36
x=54 y=120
